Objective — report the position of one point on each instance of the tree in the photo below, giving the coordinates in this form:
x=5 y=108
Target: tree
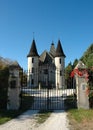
x=87 y=57
x=75 y=63
x=4 y=75
x=68 y=71
x=90 y=78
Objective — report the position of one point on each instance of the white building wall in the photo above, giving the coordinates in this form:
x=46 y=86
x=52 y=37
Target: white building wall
x=33 y=74
x=59 y=73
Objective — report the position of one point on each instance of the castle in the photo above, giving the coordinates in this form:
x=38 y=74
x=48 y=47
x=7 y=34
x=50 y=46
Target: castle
x=48 y=68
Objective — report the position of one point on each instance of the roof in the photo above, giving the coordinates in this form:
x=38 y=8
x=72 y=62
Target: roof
x=33 y=50
x=59 y=50
x=46 y=58
x=80 y=65
x=52 y=50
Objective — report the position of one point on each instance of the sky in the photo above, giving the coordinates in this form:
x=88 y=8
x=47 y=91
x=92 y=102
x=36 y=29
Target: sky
x=71 y=21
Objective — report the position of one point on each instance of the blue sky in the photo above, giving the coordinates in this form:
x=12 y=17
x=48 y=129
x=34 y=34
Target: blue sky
x=71 y=21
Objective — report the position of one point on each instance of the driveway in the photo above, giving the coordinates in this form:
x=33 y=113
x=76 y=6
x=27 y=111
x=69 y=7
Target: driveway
x=57 y=121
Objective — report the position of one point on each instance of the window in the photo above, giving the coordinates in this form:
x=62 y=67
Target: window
x=45 y=71
x=32 y=70
x=60 y=72
x=32 y=60
x=60 y=60
x=32 y=81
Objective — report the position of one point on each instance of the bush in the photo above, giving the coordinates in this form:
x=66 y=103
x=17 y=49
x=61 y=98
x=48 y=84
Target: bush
x=4 y=75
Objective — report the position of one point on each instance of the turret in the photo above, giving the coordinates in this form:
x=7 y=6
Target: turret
x=33 y=60
x=60 y=66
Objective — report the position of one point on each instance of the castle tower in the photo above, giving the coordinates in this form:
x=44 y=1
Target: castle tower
x=60 y=66
x=33 y=61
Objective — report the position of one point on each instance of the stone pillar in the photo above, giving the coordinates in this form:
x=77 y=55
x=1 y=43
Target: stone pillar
x=14 y=91
x=82 y=97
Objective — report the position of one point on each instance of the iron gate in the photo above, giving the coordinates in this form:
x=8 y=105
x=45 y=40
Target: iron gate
x=48 y=97
x=52 y=99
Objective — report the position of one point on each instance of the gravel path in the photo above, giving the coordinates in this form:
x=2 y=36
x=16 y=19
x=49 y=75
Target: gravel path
x=57 y=121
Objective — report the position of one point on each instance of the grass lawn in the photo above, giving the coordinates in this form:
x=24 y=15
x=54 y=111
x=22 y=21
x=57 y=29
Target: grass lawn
x=43 y=115
x=6 y=115
x=80 y=119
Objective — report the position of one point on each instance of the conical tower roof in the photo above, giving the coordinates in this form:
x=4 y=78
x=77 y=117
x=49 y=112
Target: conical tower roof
x=59 y=50
x=33 y=50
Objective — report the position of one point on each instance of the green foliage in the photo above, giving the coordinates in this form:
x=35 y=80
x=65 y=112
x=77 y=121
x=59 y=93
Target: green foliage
x=43 y=115
x=24 y=79
x=75 y=63
x=90 y=78
x=70 y=102
x=4 y=74
x=6 y=115
x=68 y=70
x=80 y=114
x=87 y=57
x=80 y=119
